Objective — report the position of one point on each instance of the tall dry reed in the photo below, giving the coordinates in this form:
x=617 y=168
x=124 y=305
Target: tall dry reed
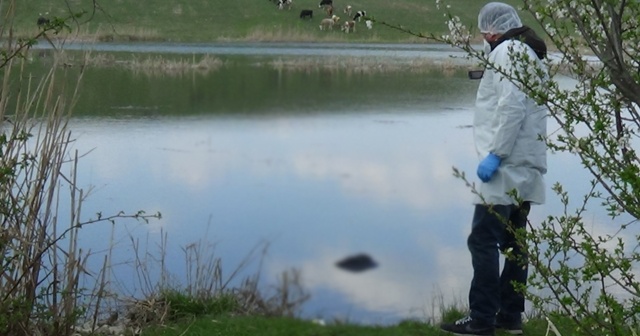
x=41 y=263
x=38 y=274
x=205 y=281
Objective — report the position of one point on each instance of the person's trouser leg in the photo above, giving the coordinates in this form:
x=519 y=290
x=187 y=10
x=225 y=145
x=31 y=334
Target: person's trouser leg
x=515 y=265
x=488 y=231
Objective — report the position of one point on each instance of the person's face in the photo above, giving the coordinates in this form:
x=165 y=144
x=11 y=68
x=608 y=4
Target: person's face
x=489 y=37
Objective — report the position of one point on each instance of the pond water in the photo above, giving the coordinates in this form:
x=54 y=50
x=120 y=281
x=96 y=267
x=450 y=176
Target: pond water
x=318 y=163
x=271 y=49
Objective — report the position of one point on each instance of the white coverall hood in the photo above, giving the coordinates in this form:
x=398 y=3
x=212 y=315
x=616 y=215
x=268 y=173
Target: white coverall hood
x=509 y=124
x=498 y=18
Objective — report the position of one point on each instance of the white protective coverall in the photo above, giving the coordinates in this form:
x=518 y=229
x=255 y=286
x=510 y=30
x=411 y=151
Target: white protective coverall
x=509 y=124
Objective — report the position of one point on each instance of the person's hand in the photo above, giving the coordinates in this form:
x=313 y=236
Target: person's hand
x=488 y=167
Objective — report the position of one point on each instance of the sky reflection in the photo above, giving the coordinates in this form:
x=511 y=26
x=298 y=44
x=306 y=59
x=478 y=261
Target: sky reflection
x=316 y=188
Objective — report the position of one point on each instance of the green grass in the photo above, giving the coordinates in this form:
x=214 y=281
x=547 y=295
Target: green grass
x=280 y=326
x=185 y=306
x=245 y=20
x=224 y=315
x=251 y=326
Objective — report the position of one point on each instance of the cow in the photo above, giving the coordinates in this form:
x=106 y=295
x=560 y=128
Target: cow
x=329 y=10
x=329 y=22
x=325 y=2
x=369 y=24
x=42 y=20
x=359 y=15
x=349 y=26
x=347 y=10
x=306 y=14
x=284 y=3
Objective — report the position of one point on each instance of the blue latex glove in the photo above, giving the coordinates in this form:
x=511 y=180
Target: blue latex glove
x=488 y=167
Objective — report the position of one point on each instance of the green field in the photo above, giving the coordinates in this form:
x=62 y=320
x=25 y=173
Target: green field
x=242 y=20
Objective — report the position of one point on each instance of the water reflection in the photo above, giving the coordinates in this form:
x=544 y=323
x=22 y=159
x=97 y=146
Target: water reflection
x=317 y=188
x=321 y=172
x=273 y=49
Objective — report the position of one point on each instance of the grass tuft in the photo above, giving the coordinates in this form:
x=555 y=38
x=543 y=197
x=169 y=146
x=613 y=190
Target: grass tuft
x=182 y=305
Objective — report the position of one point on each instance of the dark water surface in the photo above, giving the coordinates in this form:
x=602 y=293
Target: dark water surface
x=320 y=164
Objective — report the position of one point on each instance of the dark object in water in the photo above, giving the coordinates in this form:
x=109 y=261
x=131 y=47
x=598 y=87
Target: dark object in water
x=357 y=263
x=476 y=74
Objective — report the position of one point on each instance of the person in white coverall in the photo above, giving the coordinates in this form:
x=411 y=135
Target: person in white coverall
x=508 y=131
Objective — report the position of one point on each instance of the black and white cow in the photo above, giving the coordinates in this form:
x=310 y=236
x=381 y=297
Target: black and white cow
x=306 y=14
x=284 y=3
x=325 y=2
x=359 y=15
x=42 y=20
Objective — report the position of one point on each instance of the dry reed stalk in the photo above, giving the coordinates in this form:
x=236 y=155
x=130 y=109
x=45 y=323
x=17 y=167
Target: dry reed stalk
x=551 y=328
x=34 y=153
x=204 y=64
x=41 y=264
x=82 y=33
x=366 y=65
x=204 y=281
x=158 y=65
x=269 y=34
x=290 y=294
x=122 y=33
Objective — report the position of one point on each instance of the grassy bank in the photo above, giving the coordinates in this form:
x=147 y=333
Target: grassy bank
x=251 y=326
x=241 y=20
x=230 y=323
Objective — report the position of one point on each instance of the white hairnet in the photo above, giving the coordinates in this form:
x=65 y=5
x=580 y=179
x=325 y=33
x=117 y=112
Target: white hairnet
x=498 y=18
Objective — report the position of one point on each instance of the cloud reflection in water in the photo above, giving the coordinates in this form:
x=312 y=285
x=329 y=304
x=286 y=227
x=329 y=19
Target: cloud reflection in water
x=316 y=187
